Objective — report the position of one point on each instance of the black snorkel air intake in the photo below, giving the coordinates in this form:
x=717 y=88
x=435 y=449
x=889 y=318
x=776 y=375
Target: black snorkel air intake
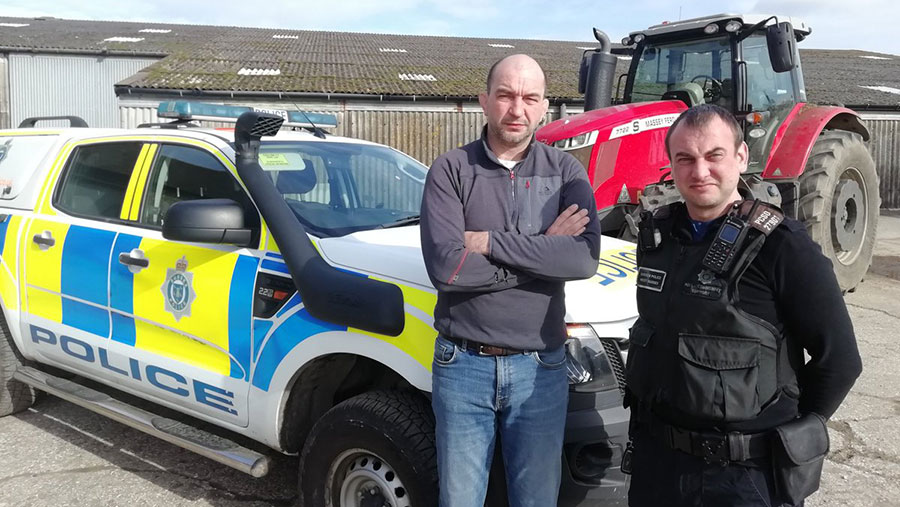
x=328 y=294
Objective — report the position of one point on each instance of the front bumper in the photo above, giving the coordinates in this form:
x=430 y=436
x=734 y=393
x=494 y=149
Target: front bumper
x=596 y=434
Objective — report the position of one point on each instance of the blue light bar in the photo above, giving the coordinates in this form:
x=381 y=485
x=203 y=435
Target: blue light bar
x=189 y=110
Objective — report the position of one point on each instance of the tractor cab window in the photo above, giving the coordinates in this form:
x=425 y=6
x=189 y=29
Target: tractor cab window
x=766 y=89
x=695 y=72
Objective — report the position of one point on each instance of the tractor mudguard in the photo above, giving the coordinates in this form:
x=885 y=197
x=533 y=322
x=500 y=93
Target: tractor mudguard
x=798 y=133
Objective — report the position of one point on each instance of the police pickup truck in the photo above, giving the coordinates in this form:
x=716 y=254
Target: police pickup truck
x=268 y=285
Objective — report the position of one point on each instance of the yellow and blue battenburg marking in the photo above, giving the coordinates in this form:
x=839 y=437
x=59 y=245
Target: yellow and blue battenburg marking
x=43 y=270
x=9 y=231
x=84 y=279
x=68 y=284
x=203 y=338
x=271 y=346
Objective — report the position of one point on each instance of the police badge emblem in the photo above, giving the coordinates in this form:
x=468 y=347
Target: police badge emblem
x=707 y=286
x=706 y=277
x=178 y=290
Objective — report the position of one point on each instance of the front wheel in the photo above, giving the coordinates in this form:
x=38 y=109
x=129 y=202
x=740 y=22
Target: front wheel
x=839 y=203
x=372 y=450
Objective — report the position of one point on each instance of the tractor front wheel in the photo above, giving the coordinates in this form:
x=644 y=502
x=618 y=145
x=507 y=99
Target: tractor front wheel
x=839 y=203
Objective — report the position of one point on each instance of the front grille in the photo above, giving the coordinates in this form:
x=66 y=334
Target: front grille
x=615 y=360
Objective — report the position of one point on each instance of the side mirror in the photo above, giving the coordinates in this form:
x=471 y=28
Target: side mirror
x=206 y=221
x=781 y=43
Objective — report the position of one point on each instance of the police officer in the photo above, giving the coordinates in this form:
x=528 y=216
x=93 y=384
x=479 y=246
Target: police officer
x=725 y=411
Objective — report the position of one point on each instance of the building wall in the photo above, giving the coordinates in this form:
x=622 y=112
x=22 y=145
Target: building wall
x=425 y=130
x=4 y=93
x=884 y=145
x=57 y=85
x=420 y=129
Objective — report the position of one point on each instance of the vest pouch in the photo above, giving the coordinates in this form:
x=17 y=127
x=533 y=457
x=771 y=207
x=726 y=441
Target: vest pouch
x=717 y=377
x=798 y=453
x=637 y=370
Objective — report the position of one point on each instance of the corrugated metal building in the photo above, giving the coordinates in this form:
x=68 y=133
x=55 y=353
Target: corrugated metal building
x=885 y=148
x=415 y=93
x=48 y=85
x=421 y=130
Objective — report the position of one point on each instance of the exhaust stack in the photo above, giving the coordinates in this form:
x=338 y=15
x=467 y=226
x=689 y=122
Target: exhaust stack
x=598 y=70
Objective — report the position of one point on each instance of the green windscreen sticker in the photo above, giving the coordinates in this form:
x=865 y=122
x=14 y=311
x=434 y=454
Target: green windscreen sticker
x=273 y=160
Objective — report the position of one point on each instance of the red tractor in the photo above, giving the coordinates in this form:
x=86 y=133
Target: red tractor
x=811 y=160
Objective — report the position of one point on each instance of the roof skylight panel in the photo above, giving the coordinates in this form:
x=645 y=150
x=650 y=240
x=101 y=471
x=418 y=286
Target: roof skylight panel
x=123 y=39
x=417 y=77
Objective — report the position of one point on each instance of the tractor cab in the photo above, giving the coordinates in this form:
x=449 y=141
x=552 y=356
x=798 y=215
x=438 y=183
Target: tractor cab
x=811 y=160
x=739 y=62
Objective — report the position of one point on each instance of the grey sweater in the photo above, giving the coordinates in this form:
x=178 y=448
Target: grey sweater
x=514 y=296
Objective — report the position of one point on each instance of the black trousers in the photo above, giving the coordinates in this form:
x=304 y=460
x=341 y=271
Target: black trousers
x=665 y=477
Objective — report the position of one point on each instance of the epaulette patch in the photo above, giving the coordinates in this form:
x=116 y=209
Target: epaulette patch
x=762 y=217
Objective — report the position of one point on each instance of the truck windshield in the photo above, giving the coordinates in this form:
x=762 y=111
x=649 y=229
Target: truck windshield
x=698 y=71
x=337 y=188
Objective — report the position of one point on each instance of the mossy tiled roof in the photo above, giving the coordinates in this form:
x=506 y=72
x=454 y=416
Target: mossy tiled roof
x=255 y=60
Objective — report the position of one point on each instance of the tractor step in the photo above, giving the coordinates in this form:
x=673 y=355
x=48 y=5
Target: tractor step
x=183 y=435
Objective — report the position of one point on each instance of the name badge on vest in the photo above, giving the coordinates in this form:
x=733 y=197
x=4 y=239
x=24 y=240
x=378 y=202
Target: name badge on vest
x=651 y=279
x=705 y=285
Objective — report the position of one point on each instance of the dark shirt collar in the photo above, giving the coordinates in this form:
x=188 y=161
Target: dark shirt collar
x=493 y=156
x=683 y=225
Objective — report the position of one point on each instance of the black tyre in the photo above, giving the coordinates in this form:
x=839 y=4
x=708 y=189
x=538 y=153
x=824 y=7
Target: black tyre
x=371 y=450
x=839 y=203
x=14 y=396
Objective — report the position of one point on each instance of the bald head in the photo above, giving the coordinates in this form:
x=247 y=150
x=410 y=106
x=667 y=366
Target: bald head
x=519 y=64
x=514 y=105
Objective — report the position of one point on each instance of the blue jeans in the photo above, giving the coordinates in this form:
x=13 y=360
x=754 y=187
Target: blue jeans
x=523 y=398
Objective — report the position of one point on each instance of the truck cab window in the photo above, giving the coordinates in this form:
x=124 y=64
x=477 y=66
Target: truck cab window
x=96 y=178
x=182 y=173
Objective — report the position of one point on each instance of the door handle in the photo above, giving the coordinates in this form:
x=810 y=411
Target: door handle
x=134 y=259
x=44 y=240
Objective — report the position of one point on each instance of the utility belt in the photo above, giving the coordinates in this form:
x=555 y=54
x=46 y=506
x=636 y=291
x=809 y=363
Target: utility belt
x=713 y=447
x=796 y=450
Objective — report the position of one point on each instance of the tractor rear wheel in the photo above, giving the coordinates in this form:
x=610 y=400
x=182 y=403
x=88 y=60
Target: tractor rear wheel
x=839 y=203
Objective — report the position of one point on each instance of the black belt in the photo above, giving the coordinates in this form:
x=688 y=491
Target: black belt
x=484 y=349
x=713 y=447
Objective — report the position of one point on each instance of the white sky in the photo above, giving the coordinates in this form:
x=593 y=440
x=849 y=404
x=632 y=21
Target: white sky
x=837 y=24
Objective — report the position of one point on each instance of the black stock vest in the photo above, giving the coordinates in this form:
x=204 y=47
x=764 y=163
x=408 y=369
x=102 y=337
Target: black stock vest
x=695 y=358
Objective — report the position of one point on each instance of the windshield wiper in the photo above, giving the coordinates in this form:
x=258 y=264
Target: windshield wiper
x=400 y=222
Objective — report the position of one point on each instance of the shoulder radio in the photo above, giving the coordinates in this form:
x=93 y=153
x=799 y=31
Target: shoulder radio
x=730 y=237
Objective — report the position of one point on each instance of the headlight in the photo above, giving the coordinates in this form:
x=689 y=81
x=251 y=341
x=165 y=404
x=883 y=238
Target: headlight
x=575 y=142
x=592 y=364
x=711 y=29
